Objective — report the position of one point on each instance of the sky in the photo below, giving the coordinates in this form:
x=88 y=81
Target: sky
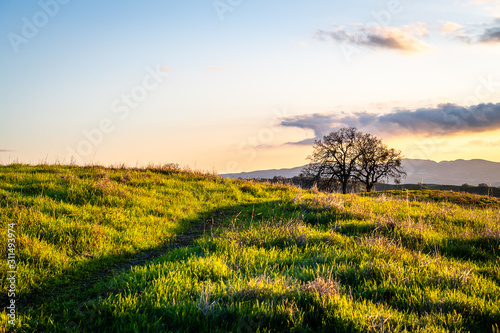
x=240 y=85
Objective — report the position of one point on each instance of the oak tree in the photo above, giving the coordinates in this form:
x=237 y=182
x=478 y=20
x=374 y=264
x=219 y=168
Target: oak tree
x=348 y=155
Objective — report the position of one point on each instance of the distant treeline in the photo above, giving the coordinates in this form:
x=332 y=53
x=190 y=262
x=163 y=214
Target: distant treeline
x=355 y=187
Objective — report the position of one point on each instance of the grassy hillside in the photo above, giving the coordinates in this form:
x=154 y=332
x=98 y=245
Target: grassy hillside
x=106 y=250
x=72 y=220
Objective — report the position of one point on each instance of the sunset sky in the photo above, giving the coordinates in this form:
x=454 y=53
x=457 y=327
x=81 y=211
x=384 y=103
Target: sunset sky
x=244 y=85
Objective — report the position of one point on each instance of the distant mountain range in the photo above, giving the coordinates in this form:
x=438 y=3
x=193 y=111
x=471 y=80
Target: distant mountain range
x=472 y=172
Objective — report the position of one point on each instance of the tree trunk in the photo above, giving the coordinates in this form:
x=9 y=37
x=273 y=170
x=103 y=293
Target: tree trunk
x=369 y=187
x=344 y=187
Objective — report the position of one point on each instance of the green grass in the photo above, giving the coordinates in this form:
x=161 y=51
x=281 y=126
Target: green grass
x=280 y=260
x=72 y=220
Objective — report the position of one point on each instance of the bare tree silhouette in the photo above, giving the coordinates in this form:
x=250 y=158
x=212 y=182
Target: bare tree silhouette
x=348 y=155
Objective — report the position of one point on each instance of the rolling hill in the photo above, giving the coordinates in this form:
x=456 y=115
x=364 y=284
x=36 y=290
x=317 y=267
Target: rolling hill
x=165 y=250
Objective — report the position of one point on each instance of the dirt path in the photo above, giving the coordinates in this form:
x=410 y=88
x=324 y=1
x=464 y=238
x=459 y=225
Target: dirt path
x=82 y=285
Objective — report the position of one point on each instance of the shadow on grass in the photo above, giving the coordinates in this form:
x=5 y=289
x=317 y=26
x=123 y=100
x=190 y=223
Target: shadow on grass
x=481 y=249
x=332 y=216
x=79 y=278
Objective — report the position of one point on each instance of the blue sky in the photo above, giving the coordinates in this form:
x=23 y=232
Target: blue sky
x=242 y=85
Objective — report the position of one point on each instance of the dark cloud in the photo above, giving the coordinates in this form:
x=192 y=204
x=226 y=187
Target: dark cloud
x=442 y=120
x=446 y=119
x=490 y=35
x=402 y=39
x=474 y=33
x=319 y=123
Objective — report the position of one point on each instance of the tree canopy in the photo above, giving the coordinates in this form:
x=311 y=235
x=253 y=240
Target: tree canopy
x=349 y=155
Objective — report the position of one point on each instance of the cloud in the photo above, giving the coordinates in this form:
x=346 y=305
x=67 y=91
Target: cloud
x=451 y=28
x=490 y=35
x=445 y=119
x=321 y=124
x=4 y=150
x=213 y=68
x=400 y=39
x=483 y=143
x=474 y=33
x=166 y=69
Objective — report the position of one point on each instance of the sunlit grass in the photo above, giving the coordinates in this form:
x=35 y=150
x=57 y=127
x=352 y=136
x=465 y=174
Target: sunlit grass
x=283 y=259
x=72 y=220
